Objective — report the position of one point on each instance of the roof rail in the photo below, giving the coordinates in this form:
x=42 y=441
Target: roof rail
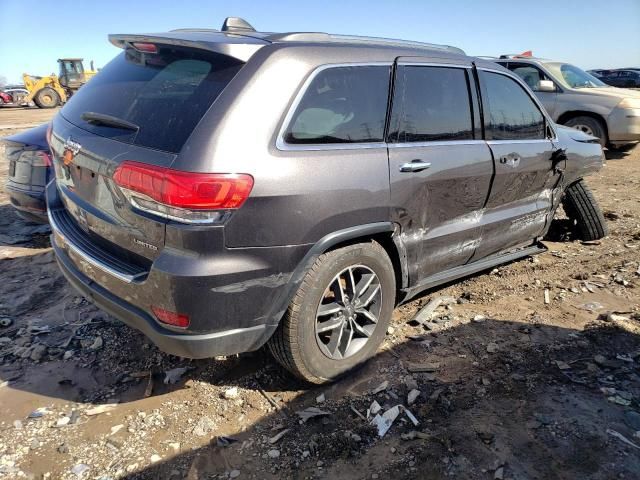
x=395 y=42
x=330 y=37
x=236 y=24
x=194 y=30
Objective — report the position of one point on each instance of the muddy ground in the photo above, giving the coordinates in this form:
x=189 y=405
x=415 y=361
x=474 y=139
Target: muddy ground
x=516 y=388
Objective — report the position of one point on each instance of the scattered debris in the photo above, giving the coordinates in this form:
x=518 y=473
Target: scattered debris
x=80 y=469
x=547 y=297
x=311 y=412
x=412 y=397
x=426 y=313
x=174 y=375
x=381 y=388
x=492 y=347
x=204 y=426
x=104 y=408
x=621 y=437
x=423 y=367
x=414 y=434
x=276 y=438
x=385 y=421
x=273 y=453
x=231 y=393
x=320 y=398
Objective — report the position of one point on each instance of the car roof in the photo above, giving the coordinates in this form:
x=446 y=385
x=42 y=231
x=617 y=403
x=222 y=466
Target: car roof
x=238 y=39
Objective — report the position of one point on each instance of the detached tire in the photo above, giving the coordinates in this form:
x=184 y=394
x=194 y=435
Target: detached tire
x=47 y=98
x=339 y=315
x=583 y=209
x=590 y=126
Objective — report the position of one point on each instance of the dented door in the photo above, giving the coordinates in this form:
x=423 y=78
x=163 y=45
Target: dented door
x=440 y=168
x=517 y=133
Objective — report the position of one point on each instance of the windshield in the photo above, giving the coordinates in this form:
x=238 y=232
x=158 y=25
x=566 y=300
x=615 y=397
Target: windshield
x=575 y=77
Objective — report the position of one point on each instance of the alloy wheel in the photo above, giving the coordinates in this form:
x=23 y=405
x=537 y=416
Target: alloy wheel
x=348 y=312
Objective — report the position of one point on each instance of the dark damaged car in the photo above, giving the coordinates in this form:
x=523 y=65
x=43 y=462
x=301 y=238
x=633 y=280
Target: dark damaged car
x=29 y=162
x=223 y=190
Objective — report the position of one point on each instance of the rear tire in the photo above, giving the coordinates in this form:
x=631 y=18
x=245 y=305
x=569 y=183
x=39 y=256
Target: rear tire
x=589 y=125
x=47 y=98
x=582 y=208
x=304 y=341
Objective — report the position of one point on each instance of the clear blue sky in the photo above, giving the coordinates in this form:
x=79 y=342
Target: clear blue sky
x=588 y=33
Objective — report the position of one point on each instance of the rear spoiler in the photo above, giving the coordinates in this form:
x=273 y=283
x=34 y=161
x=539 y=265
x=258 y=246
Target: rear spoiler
x=240 y=48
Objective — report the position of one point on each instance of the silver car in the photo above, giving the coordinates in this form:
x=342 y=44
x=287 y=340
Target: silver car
x=577 y=99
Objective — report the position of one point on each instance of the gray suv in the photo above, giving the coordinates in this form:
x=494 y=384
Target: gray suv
x=579 y=100
x=221 y=190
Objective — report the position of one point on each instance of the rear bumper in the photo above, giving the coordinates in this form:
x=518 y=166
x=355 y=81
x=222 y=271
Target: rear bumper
x=31 y=205
x=624 y=125
x=225 y=342
x=234 y=298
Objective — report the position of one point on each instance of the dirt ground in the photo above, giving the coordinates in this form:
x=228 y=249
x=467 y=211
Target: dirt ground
x=512 y=387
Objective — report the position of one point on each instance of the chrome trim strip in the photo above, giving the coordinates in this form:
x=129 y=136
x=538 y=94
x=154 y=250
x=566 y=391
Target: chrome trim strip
x=508 y=73
x=435 y=143
x=432 y=64
x=87 y=257
x=538 y=140
x=284 y=146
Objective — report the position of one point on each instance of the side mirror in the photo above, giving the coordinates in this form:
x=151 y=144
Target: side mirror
x=546 y=86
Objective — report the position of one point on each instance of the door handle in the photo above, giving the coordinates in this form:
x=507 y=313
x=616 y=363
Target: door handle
x=414 y=166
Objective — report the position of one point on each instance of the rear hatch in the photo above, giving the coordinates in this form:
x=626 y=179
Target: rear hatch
x=141 y=108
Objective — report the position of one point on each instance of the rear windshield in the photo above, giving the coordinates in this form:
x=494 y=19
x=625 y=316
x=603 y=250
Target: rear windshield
x=164 y=94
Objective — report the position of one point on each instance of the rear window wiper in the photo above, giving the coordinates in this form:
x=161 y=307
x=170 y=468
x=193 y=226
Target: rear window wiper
x=108 y=121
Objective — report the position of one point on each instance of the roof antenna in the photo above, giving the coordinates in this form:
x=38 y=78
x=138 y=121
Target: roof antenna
x=236 y=24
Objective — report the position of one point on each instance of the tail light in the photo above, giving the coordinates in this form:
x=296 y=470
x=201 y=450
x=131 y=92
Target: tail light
x=145 y=47
x=187 y=197
x=171 y=318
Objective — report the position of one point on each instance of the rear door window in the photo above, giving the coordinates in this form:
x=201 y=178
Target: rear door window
x=342 y=105
x=509 y=111
x=431 y=104
x=164 y=94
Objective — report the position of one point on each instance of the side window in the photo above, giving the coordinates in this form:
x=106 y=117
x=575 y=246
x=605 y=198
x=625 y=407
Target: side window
x=342 y=105
x=510 y=113
x=431 y=104
x=531 y=75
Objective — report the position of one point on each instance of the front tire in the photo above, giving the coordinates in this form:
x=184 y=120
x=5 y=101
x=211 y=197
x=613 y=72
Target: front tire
x=590 y=126
x=583 y=210
x=47 y=98
x=339 y=315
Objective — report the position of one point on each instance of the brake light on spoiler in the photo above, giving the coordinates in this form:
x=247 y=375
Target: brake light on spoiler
x=187 y=197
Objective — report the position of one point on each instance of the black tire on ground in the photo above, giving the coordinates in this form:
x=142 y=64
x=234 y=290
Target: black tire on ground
x=589 y=125
x=47 y=98
x=583 y=209
x=294 y=344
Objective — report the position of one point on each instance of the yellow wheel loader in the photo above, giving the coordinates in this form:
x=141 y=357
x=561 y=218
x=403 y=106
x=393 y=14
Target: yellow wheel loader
x=52 y=90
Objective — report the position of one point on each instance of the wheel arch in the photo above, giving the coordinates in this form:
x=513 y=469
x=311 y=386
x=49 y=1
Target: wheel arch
x=380 y=232
x=566 y=116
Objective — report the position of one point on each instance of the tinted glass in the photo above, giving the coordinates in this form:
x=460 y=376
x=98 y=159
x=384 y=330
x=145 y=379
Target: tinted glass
x=165 y=94
x=512 y=115
x=342 y=105
x=531 y=75
x=430 y=104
